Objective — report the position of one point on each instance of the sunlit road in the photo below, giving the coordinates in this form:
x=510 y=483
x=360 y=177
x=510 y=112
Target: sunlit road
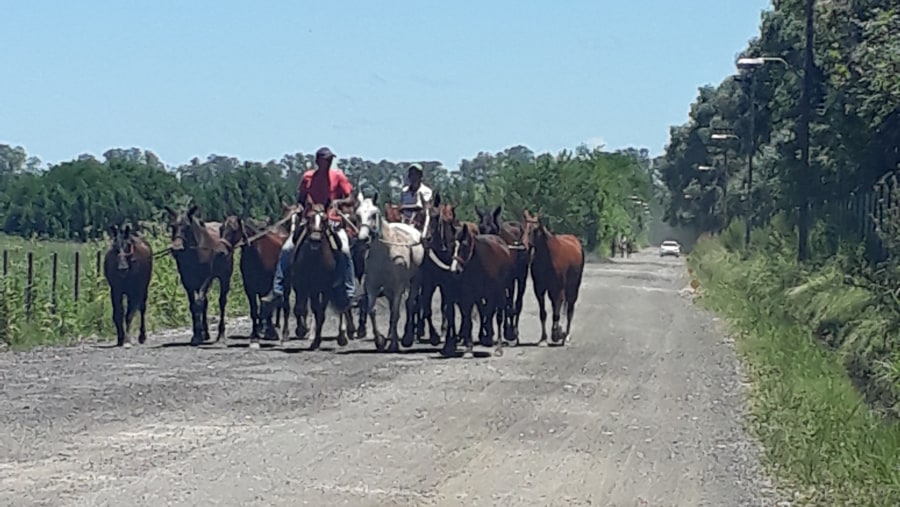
x=643 y=407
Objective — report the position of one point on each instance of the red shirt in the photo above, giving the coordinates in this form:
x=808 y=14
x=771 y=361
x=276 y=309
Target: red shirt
x=324 y=187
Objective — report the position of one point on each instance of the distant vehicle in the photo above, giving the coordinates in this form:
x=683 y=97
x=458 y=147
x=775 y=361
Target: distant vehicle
x=669 y=247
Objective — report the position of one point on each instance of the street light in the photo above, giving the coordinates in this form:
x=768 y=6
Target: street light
x=705 y=168
x=723 y=137
x=749 y=62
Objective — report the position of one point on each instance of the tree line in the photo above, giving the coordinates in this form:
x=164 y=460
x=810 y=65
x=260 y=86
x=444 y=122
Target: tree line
x=592 y=193
x=854 y=125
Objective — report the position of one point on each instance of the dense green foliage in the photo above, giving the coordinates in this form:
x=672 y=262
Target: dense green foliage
x=590 y=193
x=855 y=127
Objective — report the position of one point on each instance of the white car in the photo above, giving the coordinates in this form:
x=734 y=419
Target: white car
x=669 y=248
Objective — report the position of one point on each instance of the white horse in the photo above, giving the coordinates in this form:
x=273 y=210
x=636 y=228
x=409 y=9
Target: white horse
x=392 y=268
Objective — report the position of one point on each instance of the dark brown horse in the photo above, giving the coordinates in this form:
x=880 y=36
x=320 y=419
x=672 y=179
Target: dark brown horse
x=201 y=256
x=557 y=265
x=314 y=269
x=513 y=234
x=259 y=255
x=128 y=266
x=480 y=267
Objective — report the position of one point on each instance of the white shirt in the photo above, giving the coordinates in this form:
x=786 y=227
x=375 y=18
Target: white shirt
x=419 y=198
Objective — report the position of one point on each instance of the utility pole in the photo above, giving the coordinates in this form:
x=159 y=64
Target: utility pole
x=749 y=207
x=805 y=178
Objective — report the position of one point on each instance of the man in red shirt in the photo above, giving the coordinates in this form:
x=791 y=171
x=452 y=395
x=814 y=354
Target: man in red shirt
x=323 y=185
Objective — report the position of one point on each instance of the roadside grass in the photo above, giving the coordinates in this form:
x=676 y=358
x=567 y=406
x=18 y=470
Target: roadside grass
x=821 y=438
x=90 y=317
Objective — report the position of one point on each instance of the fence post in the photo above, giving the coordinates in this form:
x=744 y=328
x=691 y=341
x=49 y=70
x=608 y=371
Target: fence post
x=98 y=263
x=53 y=273
x=5 y=262
x=29 y=289
x=77 y=272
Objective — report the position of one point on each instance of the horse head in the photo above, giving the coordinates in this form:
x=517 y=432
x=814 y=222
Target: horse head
x=535 y=230
x=369 y=217
x=315 y=224
x=392 y=213
x=234 y=231
x=182 y=226
x=122 y=246
x=489 y=223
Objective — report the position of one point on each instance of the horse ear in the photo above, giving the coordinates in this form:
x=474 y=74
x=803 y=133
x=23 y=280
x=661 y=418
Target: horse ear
x=497 y=211
x=113 y=230
x=193 y=210
x=374 y=198
x=171 y=212
x=127 y=231
x=437 y=199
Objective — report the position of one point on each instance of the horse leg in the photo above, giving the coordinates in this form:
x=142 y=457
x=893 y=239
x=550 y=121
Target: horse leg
x=318 y=307
x=363 y=313
x=130 y=310
x=344 y=333
x=520 y=298
x=255 y=317
x=449 y=314
x=393 y=336
x=301 y=311
x=142 y=337
x=543 y=314
x=224 y=287
x=115 y=296
x=380 y=341
x=465 y=328
x=412 y=313
x=556 y=300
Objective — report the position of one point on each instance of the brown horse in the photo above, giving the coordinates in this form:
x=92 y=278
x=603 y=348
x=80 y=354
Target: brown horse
x=513 y=233
x=201 y=256
x=259 y=255
x=480 y=267
x=557 y=265
x=392 y=213
x=314 y=269
x=128 y=266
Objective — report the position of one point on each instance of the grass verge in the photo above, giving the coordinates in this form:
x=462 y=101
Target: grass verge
x=821 y=438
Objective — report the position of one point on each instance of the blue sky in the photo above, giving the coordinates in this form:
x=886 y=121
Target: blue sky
x=398 y=79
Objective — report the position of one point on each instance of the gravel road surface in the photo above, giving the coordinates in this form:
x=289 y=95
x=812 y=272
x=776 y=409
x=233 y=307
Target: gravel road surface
x=643 y=408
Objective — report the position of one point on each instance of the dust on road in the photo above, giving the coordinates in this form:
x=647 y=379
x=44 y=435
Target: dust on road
x=643 y=407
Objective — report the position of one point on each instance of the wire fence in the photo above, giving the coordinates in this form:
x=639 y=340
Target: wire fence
x=45 y=271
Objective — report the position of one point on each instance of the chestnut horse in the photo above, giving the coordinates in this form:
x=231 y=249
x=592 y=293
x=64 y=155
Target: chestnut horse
x=259 y=256
x=128 y=266
x=480 y=267
x=557 y=265
x=513 y=233
x=314 y=269
x=201 y=256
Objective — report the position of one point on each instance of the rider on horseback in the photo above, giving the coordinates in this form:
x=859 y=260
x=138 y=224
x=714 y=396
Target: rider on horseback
x=415 y=196
x=322 y=185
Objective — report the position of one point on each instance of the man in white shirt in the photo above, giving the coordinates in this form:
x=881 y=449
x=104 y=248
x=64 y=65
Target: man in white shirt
x=414 y=197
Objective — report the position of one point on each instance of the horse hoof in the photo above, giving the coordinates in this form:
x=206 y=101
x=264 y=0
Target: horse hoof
x=342 y=339
x=380 y=343
x=127 y=345
x=542 y=343
x=394 y=347
x=254 y=345
x=407 y=340
x=142 y=339
x=447 y=351
x=360 y=333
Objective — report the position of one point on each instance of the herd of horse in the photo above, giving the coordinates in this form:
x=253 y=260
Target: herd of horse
x=483 y=265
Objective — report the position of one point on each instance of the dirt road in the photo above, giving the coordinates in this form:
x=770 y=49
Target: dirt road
x=643 y=408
